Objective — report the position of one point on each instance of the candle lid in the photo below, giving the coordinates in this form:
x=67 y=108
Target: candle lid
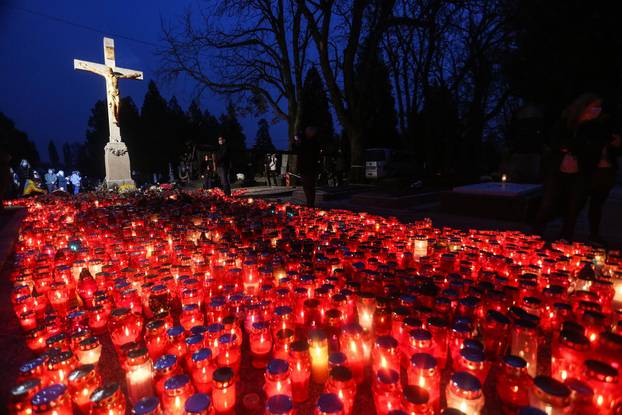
x=260 y=325
x=437 y=322
x=548 y=385
x=175 y=331
x=299 y=347
x=514 y=361
x=601 y=371
x=452 y=411
x=341 y=374
x=277 y=367
x=611 y=339
x=194 y=339
x=329 y=403
x=337 y=359
x=146 y=406
x=137 y=356
x=420 y=334
x=190 y=307
x=387 y=376
x=81 y=372
x=580 y=390
x=202 y=354
x=198 y=329
x=119 y=312
x=283 y=310
x=466 y=385
x=198 y=403
x=46 y=397
x=574 y=340
x=165 y=362
x=57 y=338
x=105 y=394
x=215 y=328
x=284 y=334
x=416 y=395
x=223 y=375
x=530 y=410
x=279 y=404
x=31 y=365
x=227 y=338
x=469 y=301
x=176 y=382
x=60 y=358
x=89 y=343
x=24 y=388
x=472 y=355
x=423 y=361
x=497 y=317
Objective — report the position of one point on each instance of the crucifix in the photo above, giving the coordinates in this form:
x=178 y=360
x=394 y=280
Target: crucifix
x=112 y=74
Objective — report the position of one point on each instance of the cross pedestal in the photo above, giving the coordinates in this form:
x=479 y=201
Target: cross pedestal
x=117 y=162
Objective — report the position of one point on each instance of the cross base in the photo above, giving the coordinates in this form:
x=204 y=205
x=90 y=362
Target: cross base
x=117 y=161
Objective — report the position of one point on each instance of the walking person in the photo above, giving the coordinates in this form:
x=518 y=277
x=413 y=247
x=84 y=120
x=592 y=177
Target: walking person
x=223 y=165
x=308 y=157
x=566 y=180
x=61 y=181
x=50 y=180
x=270 y=166
x=600 y=169
x=75 y=180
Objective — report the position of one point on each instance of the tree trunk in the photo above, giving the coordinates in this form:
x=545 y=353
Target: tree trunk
x=357 y=159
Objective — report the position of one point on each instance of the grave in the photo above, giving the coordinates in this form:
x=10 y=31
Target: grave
x=510 y=201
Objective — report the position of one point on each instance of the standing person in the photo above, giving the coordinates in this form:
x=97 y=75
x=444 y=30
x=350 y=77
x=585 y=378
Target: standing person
x=600 y=169
x=308 y=157
x=270 y=167
x=61 y=181
x=50 y=180
x=565 y=182
x=75 y=180
x=223 y=165
x=208 y=170
x=24 y=172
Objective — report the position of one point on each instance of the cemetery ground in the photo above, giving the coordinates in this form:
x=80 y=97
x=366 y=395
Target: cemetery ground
x=359 y=199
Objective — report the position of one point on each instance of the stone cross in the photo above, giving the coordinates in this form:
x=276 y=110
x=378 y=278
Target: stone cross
x=112 y=74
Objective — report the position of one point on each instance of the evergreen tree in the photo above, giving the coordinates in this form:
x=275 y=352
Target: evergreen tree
x=377 y=106
x=231 y=130
x=53 y=154
x=263 y=140
x=16 y=142
x=131 y=133
x=91 y=159
x=68 y=159
x=179 y=129
x=315 y=106
x=154 y=140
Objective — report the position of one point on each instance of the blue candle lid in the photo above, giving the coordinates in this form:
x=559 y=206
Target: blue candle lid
x=472 y=355
x=283 y=310
x=194 y=339
x=514 y=361
x=387 y=376
x=31 y=364
x=466 y=381
x=473 y=344
x=420 y=334
x=416 y=395
x=165 y=361
x=227 y=338
x=176 y=382
x=337 y=359
x=423 y=361
x=223 y=374
x=175 y=331
x=278 y=366
x=551 y=386
x=260 y=325
x=202 y=354
x=146 y=405
x=104 y=392
x=329 y=403
x=48 y=394
x=341 y=374
x=215 y=328
x=198 y=329
x=530 y=410
x=279 y=404
x=497 y=317
x=387 y=342
x=198 y=403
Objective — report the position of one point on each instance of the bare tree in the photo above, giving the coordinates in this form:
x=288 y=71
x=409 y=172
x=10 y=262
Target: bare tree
x=348 y=36
x=254 y=50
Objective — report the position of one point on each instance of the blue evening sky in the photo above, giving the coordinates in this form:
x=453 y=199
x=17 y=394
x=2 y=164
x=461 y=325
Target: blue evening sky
x=49 y=100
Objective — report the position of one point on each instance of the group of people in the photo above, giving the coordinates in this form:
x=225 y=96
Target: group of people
x=580 y=167
x=218 y=164
x=58 y=181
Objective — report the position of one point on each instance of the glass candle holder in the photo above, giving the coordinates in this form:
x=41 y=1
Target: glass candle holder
x=260 y=341
x=604 y=380
x=277 y=378
x=328 y=404
x=98 y=319
x=279 y=405
x=318 y=349
x=300 y=363
x=387 y=391
x=464 y=392
x=191 y=316
x=177 y=389
x=147 y=406
x=165 y=367
x=568 y=355
x=139 y=375
x=513 y=384
x=424 y=373
x=198 y=404
x=549 y=395
x=124 y=326
x=52 y=400
x=202 y=369
x=223 y=390
x=108 y=400
x=495 y=333
x=439 y=329
x=229 y=352
x=89 y=351
x=20 y=401
x=524 y=343
x=365 y=307
x=472 y=360
x=581 y=397
x=385 y=354
x=282 y=341
x=341 y=383
x=351 y=343
x=175 y=342
x=416 y=401
x=60 y=365
x=83 y=381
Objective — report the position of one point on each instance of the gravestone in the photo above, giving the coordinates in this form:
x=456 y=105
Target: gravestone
x=117 y=159
x=510 y=201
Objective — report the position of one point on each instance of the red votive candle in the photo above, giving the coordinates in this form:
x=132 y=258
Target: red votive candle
x=424 y=372
x=202 y=370
x=513 y=384
x=277 y=377
x=108 y=400
x=139 y=375
x=155 y=338
x=279 y=405
x=386 y=354
x=177 y=390
x=341 y=383
x=300 y=363
x=260 y=341
x=328 y=404
x=83 y=381
x=52 y=400
x=223 y=390
x=387 y=391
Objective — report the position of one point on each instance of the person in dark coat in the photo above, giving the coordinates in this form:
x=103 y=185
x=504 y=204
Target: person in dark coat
x=222 y=160
x=570 y=163
x=308 y=149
